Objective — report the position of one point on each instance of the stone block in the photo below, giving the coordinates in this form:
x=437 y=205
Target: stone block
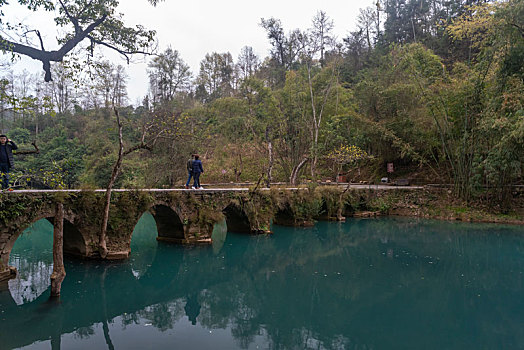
x=117 y=255
x=7 y=274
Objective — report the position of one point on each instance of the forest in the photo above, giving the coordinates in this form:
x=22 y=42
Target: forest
x=435 y=87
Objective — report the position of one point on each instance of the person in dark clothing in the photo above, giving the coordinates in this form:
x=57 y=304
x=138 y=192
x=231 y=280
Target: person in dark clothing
x=189 y=166
x=197 y=170
x=7 y=161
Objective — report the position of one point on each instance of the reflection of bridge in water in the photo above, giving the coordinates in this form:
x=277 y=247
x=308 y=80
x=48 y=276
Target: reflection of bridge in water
x=173 y=274
x=327 y=307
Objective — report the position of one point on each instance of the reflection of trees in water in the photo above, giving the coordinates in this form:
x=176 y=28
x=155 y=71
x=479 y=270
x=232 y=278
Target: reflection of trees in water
x=192 y=308
x=130 y=319
x=330 y=286
x=84 y=332
x=230 y=306
x=164 y=316
x=143 y=245
x=350 y=273
x=32 y=280
x=32 y=255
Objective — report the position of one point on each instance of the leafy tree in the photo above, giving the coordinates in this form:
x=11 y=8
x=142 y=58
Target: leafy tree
x=496 y=31
x=248 y=62
x=321 y=33
x=284 y=52
x=168 y=75
x=93 y=21
x=216 y=77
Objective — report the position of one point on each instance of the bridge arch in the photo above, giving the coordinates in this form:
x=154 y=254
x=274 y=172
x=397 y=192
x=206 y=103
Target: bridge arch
x=236 y=219
x=74 y=240
x=168 y=222
x=14 y=229
x=284 y=216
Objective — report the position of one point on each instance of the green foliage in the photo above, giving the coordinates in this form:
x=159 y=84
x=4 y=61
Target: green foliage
x=21 y=135
x=13 y=207
x=59 y=163
x=125 y=210
x=304 y=205
x=438 y=92
x=379 y=204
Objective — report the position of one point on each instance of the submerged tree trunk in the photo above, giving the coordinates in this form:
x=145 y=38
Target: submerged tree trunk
x=58 y=275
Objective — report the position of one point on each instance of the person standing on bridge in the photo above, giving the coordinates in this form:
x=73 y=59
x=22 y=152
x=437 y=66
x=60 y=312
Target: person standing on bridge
x=189 y=167
x=6 y=159
x=197 y=170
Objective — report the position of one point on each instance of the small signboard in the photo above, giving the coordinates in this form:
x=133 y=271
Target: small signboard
x=390 y=168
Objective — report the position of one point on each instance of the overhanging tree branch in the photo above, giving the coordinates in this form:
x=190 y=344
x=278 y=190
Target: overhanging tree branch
x=46 y=57
x=120 y=51
x=95 y=20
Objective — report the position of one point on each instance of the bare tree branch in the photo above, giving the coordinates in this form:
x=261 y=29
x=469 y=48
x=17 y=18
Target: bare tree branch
x=36 y=151
x=120 y=51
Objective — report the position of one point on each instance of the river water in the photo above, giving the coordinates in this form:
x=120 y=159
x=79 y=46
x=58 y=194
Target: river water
x=388 y=283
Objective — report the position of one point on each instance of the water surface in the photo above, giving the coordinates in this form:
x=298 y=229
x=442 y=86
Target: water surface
x=389 y=283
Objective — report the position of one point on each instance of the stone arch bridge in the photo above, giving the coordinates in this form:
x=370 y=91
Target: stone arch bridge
x=182 y=216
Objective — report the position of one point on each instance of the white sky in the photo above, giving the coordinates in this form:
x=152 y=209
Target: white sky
x=195 y=28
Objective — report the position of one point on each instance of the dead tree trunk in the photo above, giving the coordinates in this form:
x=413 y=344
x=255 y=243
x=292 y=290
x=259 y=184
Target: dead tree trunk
x=58 y=275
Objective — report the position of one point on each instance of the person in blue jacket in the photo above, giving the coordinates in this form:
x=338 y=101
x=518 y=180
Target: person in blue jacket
x=6 y=159
x=197 y=170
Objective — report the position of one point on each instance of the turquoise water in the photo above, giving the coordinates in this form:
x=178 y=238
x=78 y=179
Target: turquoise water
x=389 y=283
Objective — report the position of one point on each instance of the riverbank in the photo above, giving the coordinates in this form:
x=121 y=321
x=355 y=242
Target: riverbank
x=439 y=203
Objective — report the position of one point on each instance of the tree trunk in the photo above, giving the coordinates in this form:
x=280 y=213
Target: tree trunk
x=270 y=160
x=238 y=171
x=102 y=244
x=315 y=121
x=59 y=273
x=296 y=171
